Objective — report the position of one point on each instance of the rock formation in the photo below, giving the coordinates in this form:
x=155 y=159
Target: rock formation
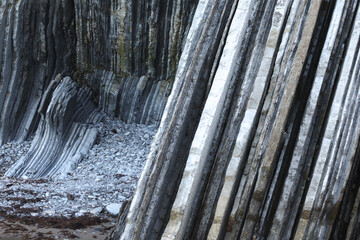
x=64 y=135
x=259 y=138
x=126 y=51
x=260 y=141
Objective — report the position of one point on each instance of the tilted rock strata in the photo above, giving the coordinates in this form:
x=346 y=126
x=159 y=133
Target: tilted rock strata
x=139 y=43
x=260 y=134
x=126 y=51
x=65 y=132
x=34 y=48
x=275 y=141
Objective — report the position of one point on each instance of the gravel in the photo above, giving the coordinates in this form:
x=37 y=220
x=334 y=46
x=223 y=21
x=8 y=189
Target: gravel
x=107 y=175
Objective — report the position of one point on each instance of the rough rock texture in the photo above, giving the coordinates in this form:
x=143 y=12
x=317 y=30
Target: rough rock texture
x=270 y=150
x=65 y=133
x=107 y=175
x=125 y=51
x=259 y=138
x=34 y=48
x=129 y=51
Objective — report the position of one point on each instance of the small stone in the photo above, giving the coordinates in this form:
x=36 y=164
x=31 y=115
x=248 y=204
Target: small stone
x=113 y=209
x=34 y=214
x=79 y=214
x=49 y=212
x=127 y=134
x=70 y=196
x=96 y=211
x=99 y=178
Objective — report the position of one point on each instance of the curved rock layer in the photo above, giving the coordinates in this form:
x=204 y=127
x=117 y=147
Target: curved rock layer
x=37 y=40
x=260 y=136
x=125 y=51
x=66 y=132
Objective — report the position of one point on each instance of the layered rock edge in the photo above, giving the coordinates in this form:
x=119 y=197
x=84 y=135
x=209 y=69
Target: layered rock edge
x=65 y=134
x=260 y=136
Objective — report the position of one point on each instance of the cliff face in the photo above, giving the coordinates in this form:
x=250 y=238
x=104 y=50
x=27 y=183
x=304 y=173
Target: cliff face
x=259 y=138
x=125 y=51
x=37 y=42
x=128 y=51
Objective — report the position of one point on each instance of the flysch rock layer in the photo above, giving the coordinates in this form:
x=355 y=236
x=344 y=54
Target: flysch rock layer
x=258 y=105
x=126 y=51
x=66 y=132
x=129 y=50
x=272 y=147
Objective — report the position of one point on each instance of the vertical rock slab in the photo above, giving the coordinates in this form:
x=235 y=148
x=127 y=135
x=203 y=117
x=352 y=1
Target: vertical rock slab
x=337 y=151
x=65 y=132
x=275 y=153
x=37 y=41
x=151 y=205
x=135 y=40
x=250 y=119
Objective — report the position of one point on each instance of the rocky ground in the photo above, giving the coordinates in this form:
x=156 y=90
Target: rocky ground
x=92 y=194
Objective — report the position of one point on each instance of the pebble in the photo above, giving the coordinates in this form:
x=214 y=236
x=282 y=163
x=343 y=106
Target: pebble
x=113 y=209
x=49 y=212
x=79 y=214
x=96 y=211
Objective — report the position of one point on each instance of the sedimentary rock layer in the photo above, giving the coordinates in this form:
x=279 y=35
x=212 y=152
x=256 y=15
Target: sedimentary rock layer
x=260 y=136
x=272 y=118
x=37 y=40
x=139 y=44
x=125 y=51
x=66 y=132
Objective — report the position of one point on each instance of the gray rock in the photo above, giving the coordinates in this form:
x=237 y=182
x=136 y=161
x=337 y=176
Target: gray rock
x=67 y=115
x=96 y=211
x=113 y=209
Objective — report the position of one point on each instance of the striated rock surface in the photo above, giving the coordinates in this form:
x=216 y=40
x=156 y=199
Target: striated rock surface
x=260 y=136
x=125 y=51
x=65 y=132
x=129 y=51
x=34 y=48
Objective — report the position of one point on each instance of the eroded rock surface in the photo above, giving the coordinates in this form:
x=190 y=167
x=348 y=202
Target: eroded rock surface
x=274 y=142
x=260 y=134
x=66 y=132
x=107 y=175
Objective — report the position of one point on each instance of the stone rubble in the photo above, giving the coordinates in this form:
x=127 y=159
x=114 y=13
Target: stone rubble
x=105 y=178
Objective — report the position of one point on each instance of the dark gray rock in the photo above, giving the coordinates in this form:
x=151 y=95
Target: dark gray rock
x=37 y=42
x=259 y=138
x=66 y=132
